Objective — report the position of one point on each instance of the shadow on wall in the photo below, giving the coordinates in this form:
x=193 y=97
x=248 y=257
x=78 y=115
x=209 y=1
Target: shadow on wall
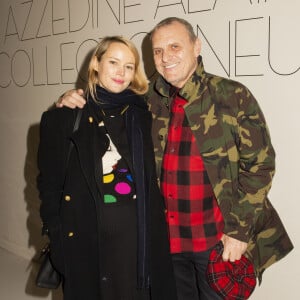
x=36 y=240
x=81 y=81
x=147 y=57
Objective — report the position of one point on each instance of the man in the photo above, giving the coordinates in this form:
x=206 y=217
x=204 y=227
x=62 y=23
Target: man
x=215 y=161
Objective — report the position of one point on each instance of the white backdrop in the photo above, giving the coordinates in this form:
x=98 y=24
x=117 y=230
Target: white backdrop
x=44 y=45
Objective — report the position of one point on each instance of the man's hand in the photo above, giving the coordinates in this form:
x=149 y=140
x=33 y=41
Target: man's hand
x=233 y=248
x=71 y=99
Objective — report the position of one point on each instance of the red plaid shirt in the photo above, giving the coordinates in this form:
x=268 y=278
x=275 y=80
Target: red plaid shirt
x=193 y=215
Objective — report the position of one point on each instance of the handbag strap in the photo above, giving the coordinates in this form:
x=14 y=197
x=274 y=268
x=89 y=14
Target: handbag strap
x=76 y=126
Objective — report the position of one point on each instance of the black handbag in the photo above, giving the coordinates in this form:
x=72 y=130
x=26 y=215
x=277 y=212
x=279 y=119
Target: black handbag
x=48 y=277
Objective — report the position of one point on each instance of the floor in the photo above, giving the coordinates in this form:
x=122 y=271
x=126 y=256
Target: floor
x=17 y=277
x=17 y=280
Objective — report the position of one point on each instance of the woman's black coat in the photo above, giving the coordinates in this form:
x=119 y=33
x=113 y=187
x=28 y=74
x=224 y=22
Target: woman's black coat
x=71 y=214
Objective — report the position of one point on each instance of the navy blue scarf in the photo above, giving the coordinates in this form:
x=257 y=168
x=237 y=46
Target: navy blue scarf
x=133 y=122
x=108 y=100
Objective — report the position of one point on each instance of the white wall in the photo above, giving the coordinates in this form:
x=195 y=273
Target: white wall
x=44 y=44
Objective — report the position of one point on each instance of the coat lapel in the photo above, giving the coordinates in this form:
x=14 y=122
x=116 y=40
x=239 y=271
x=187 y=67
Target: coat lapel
x=87 y=146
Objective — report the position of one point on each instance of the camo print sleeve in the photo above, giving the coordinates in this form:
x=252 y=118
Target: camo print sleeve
x=256 y=164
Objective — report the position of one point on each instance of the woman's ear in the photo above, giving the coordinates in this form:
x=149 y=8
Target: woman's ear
x=95 y=63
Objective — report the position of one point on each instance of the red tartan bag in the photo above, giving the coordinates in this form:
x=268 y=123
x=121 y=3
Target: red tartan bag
x=231 y=280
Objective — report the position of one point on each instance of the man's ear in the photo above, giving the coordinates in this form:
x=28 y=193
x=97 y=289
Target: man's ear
x=197 y=47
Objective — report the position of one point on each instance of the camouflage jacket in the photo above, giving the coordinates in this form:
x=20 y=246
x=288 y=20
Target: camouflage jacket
x=235 y=145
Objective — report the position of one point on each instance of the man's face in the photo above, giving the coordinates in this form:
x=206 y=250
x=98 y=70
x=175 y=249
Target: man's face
x=175 y=55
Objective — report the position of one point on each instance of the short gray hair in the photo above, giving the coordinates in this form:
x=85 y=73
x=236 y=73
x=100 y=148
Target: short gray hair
x=172 y=20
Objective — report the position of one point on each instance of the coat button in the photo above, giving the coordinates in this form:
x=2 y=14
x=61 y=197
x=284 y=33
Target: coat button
x=91 y=119
x=161 y=137
x=67 y=198
x=70 y=234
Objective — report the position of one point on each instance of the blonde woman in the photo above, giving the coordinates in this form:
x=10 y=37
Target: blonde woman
x=106 y=223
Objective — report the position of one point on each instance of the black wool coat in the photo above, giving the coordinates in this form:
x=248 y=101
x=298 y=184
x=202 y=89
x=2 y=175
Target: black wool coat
x=70 y=210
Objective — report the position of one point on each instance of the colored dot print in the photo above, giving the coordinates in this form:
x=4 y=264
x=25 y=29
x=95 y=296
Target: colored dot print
x=122 y=188
x=108 y=178
x=109 y=199
x=129 y=177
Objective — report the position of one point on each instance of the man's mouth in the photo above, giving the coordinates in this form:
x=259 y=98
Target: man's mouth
x=170 y=66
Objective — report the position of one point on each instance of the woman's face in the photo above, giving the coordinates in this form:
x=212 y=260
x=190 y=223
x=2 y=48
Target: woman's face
x=116 y=68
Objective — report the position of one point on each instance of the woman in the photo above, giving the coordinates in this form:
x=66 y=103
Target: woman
x=105 y=220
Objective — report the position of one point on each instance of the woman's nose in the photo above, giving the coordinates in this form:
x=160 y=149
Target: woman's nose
x=121 y=71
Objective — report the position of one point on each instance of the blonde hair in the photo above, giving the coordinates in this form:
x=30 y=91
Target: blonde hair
x=139 y=84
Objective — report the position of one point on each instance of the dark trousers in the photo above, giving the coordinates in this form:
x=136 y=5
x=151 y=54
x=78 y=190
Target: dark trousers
x=189 y=269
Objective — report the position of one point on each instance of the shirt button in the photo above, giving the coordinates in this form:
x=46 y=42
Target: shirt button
x=70 y=234
x=172 y=150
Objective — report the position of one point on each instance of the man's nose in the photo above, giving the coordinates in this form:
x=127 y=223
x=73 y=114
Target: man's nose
x=165 y=55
